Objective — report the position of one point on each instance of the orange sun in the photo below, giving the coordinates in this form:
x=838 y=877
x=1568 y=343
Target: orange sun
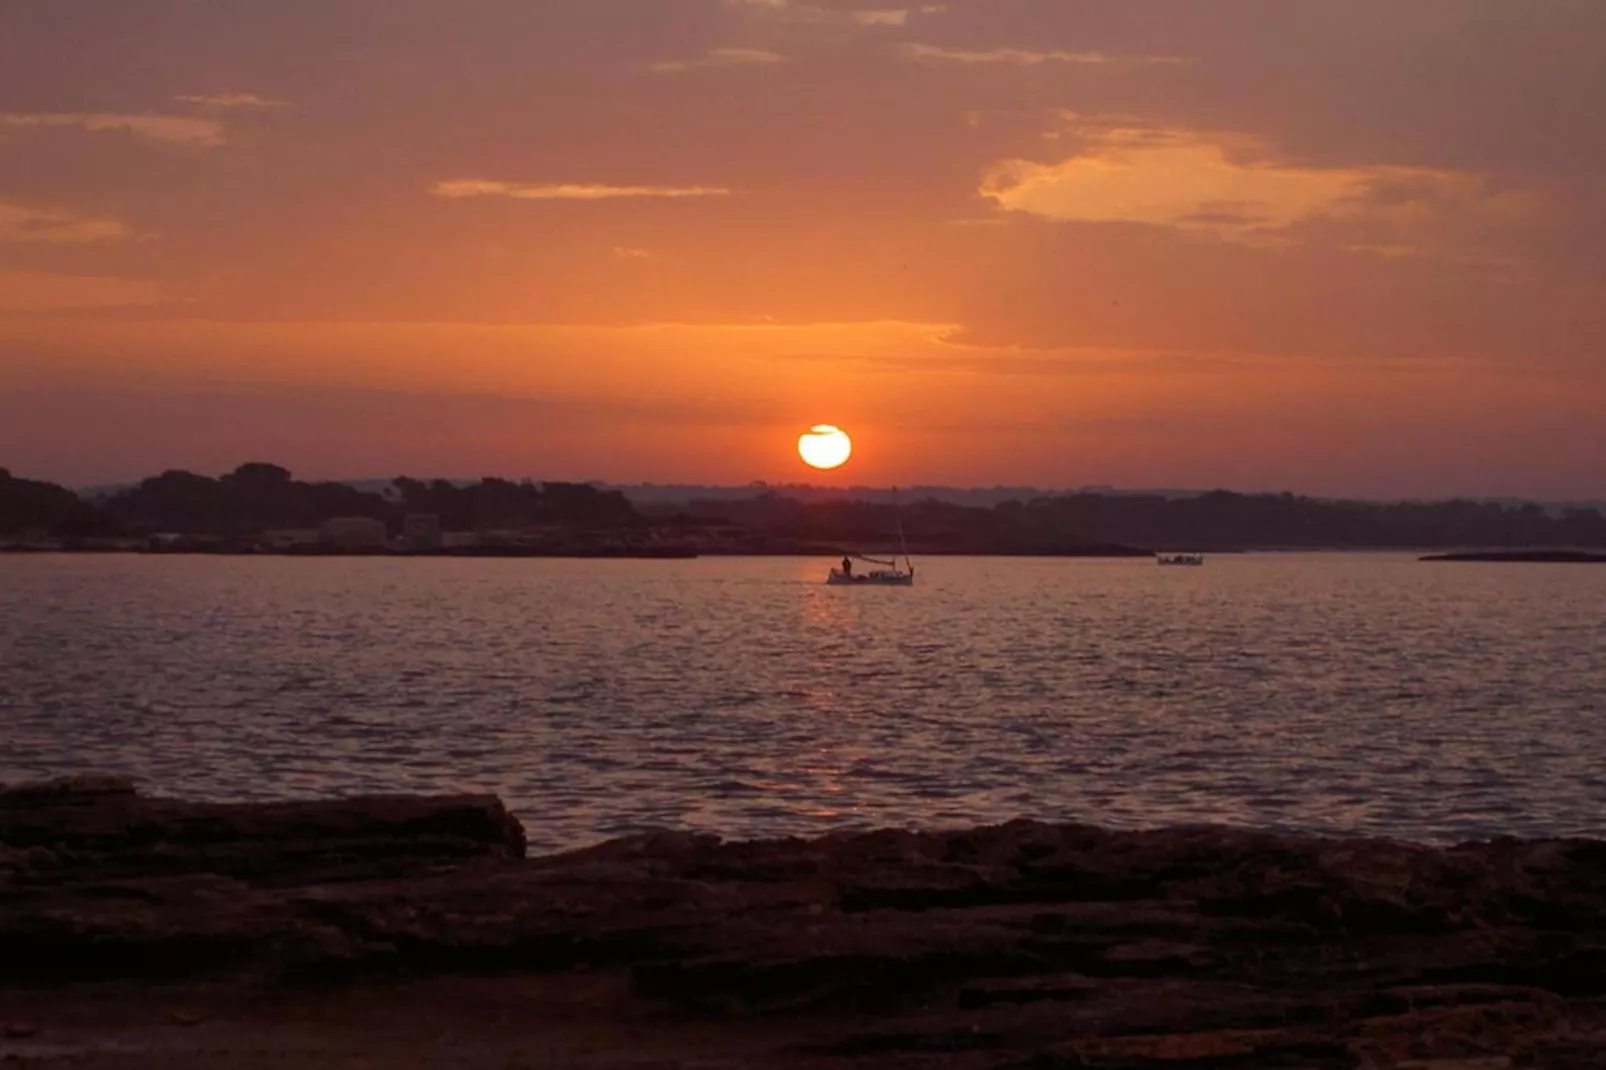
x=823 y=446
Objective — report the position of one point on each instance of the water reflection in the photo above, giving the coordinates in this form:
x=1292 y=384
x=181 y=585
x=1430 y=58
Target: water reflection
x=743 y=696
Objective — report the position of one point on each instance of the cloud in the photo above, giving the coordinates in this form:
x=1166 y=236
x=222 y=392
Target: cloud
x=175 y=128
x=231 y=100
x=1057 y=362
x=719 y=57
x=1021 y=57
x=40 y=291
x=813 y=13
x=891 y=17
x=478 y=187
x=1224 y=185
x=19 y=224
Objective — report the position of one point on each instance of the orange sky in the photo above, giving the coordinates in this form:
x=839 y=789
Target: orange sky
x=1354 y=248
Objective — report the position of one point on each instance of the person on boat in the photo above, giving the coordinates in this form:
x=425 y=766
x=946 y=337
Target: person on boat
x=847 y=566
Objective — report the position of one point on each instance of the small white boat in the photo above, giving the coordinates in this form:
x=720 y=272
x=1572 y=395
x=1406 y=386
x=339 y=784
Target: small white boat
x=883 y=577
x=887 y=575
x=1179 y=559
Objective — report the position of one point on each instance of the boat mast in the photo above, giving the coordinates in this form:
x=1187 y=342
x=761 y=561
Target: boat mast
x=897 y=515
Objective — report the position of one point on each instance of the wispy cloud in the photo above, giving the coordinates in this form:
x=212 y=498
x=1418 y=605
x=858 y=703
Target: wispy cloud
x=1228 y=186
x=813 y=13
x=175 y=128
x=1059 y=362
x=480 y=187
x=885 y=17
x=39 y=291
x=1021 y=57
x=719 y=57
x=19 y=224
x=231 y=100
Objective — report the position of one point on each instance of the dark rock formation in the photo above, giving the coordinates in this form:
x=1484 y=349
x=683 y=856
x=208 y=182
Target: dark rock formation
x=1021 y=945
x=99 y=828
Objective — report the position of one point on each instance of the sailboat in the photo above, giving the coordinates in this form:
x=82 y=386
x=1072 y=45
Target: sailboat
x=888 y=575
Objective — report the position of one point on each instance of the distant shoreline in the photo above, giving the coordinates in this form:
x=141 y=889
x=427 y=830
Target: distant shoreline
x=1532 y=557
x=262 y=507
x=671 y=553
x=650 y=554
x=686 y=554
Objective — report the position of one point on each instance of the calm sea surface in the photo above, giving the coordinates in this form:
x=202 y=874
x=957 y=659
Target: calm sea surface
x=1336 y=692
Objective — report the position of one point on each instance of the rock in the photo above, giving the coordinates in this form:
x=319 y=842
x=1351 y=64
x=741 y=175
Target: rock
x=1043 y=987
x=97 y=827
x=96 y=880
x=82 y=786
x=1023 y=944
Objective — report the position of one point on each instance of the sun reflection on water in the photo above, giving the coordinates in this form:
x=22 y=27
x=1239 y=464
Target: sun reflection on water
x=1341 y=692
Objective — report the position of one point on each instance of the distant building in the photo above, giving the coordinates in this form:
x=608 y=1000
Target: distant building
x=354 y=533
x=422 y=531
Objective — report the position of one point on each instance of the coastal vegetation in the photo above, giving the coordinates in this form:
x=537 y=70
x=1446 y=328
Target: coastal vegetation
x=237 y=509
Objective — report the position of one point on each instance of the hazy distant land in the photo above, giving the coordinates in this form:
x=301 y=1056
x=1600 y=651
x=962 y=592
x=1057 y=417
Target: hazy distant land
x=262 y=508
x=1535 y=557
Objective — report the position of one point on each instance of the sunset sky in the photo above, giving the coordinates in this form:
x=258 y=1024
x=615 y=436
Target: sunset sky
x=1332 y=246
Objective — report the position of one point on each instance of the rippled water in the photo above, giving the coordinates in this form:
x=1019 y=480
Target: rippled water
x=1336 y=692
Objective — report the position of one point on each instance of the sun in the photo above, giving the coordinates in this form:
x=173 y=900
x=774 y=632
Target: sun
x=824 y=446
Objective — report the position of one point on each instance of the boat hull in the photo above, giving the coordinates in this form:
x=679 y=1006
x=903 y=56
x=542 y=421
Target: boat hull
x=838 y=578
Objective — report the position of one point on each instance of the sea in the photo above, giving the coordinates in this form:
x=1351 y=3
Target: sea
x=1337 y=693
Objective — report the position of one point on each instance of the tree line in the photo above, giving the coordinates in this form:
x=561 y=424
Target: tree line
x=1218 y=520
x=262 y=497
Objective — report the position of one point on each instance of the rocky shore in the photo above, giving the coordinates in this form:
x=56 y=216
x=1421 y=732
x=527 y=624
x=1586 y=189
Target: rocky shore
x=413 y=932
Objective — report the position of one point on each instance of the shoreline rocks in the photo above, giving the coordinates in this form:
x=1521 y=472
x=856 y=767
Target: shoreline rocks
x=1024 y=944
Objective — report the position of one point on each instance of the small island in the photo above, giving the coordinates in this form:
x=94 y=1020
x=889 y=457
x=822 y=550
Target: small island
x=1537 y=557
